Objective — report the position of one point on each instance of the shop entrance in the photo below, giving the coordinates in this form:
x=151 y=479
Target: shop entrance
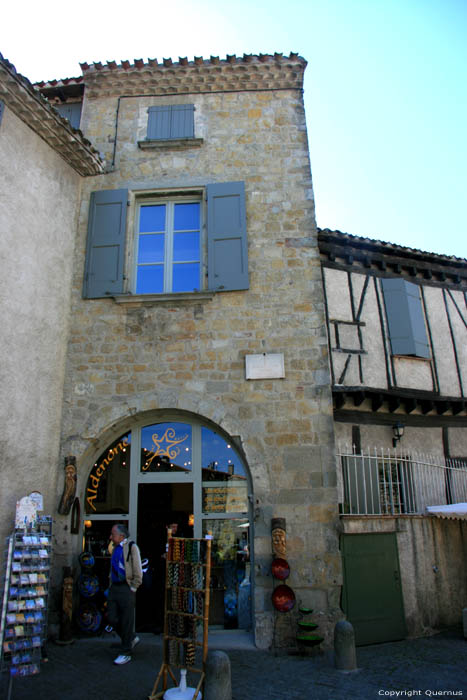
x=159 y=505
x=175 y=469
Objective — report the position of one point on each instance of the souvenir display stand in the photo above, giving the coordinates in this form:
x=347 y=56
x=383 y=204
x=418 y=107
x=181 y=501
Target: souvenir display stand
x=23 y=624
x=186 y=616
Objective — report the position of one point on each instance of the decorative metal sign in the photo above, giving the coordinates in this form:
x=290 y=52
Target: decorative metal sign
x=166 y=446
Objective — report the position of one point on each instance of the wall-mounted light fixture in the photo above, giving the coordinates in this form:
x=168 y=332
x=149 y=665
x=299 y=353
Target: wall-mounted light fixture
x=398 y=432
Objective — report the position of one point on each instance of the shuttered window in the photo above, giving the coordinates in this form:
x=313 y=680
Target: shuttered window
x=171 y=122
x=72 y=112
x=168 y=239
x=405 y=317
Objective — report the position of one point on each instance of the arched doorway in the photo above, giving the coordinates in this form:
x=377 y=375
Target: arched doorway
x=175 y=469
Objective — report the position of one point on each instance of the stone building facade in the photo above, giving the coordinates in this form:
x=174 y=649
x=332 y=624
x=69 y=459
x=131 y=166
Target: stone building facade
x=175 y=328
x=178 y=358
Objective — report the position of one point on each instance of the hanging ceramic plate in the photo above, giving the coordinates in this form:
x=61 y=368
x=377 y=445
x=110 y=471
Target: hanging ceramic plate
x=88 y=585
x=86 y=559
x=280 y=569
x=283 y=598
x=89 y=618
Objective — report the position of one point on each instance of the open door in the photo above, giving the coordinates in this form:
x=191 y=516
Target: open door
x=159 y=505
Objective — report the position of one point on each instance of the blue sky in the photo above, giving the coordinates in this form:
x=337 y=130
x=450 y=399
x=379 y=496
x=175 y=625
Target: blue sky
x=385 y=91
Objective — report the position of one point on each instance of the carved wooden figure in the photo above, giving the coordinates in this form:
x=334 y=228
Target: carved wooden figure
x=69 y=490
x=278 y=537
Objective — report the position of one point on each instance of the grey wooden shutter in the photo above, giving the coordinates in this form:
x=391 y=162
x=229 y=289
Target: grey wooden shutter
x=106 y=244
x=171 y=122
x=406 y=322
x=72 y=112
x=227 y=243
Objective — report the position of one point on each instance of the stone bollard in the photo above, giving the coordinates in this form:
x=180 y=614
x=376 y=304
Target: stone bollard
x=218 y=681
x=345 y=657
x=464 y=621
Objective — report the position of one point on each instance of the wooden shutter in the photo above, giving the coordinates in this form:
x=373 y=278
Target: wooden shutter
x=227 y=243
x=171 y=122
x=72 y=112
x=106 y=244
x=406 y=321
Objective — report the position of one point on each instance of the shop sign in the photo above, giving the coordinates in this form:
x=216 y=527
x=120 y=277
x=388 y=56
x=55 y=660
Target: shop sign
x=95 y=476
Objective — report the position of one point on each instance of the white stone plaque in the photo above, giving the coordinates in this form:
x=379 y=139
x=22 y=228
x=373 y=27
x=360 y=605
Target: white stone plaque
x=264 y=366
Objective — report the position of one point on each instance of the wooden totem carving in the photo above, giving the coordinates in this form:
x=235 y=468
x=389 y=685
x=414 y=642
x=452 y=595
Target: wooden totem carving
x=69 y=489
x=278 y=537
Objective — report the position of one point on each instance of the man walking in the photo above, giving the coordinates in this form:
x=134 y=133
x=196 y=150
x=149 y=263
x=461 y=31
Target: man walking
x=126 y=576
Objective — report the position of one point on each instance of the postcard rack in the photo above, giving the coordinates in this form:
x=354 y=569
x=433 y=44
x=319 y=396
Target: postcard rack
x=23 y=622
x=187 y=588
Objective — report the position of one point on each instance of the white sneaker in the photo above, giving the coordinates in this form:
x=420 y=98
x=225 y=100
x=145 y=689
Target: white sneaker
x=136 y=640
x=122 y=659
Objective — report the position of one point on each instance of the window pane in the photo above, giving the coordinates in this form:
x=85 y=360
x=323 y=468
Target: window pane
x=151 y=248
x=108 y=482
x=218 y=455
x=186 y=246
x=166 y=447
x=225 y=487
x=150 y=279
x=186 y=216
x=230 y=573
x=185 y=277
x=152 y=218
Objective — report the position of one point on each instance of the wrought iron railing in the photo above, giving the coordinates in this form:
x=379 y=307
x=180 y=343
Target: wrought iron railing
x=386 y=482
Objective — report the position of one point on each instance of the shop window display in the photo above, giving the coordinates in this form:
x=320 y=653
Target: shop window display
x=230 y=572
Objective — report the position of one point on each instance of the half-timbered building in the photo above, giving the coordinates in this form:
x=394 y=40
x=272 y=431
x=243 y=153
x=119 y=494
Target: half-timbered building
x=397 y=333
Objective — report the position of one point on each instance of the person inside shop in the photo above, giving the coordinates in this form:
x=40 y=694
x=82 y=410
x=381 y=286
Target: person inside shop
x=126 y=576
x=173 y=527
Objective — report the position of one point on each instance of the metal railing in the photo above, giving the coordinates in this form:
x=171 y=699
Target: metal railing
x=385 y=482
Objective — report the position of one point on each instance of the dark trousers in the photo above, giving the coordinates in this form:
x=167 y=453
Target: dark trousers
x=121 y=613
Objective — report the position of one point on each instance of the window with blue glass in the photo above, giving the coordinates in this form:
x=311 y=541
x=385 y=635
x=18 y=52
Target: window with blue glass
x=168 y=255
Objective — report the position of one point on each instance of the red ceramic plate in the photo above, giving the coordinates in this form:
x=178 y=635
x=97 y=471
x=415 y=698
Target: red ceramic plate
x=283 y=598
x=280 y=569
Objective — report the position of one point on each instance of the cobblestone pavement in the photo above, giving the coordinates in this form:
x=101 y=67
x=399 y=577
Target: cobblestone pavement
x=434 y=666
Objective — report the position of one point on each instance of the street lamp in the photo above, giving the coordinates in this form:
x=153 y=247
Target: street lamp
x=398 y=432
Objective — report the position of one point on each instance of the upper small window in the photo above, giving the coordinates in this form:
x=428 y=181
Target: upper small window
x=171 y=122
x=406 y=320
x=168 y=247
x=70 y=111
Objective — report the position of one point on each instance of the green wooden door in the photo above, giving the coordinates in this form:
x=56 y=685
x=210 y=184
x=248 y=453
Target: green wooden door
x=372 y=594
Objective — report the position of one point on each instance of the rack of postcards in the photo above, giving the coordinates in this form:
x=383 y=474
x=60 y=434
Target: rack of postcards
x=23 y=624
x=187 y=589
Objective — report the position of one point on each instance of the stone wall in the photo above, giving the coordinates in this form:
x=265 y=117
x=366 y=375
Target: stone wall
x=128 y=359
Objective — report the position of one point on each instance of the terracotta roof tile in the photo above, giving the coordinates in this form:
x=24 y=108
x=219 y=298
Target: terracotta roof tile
x=26 y=101
x=324 y=233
